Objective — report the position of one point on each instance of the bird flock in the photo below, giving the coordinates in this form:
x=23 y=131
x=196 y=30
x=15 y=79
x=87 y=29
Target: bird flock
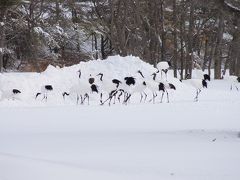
x=112 y=90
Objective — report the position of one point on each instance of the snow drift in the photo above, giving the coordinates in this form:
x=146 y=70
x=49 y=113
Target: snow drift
x=63 y=78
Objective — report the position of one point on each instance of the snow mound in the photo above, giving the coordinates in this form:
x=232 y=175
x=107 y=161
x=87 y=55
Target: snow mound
x=113 y=67
x=63 y=78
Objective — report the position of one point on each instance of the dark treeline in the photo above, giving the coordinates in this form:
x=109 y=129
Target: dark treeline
x=189 y=33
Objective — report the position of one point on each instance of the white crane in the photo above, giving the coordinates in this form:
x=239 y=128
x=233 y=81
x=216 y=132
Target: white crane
x=45 y=90
x=198 y=84
x=10 y=94
x=163 y=66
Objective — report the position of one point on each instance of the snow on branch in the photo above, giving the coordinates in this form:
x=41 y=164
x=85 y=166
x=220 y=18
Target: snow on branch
x=232 y=6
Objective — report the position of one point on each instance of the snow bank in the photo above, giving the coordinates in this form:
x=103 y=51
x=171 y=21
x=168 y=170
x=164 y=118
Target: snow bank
x=63 y=78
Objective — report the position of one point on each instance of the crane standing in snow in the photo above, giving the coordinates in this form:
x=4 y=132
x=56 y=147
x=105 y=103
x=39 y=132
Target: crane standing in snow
x=163 y=66
x=10 y=94
x=132 y=85
x=163 y=87
x=109 y=86
x=82 y=91
x=140 y=86
x=128 y=83
x=45 y=89
x=198 y=84
x=86 y=87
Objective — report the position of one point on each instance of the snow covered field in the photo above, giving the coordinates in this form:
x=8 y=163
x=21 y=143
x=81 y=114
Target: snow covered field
x=57 y=140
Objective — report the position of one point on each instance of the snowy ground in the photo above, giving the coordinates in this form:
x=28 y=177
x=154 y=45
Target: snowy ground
x=58 y=140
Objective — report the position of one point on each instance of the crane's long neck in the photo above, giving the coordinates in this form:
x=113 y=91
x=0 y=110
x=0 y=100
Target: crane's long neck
x=101 y=77
x=141 y=74
x=80 y=73
x=154 y=76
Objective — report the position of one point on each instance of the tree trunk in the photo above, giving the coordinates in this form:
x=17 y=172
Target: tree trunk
x=1 y=47
x=175 y=53
x=163 y=50
x=102 y=47
x=152 y=32
x=235 y=44
x=211 y=56
x=205 y=58
x=190 y=42
x=182 y=30
x=57 y=10
x=218 y=48
x=2 y=37
x=94 y=45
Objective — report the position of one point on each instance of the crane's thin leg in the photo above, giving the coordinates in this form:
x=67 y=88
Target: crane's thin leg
x=145 y=96
x=77 y=99
x=141 y=98
x=162 y=97
x=167 y=97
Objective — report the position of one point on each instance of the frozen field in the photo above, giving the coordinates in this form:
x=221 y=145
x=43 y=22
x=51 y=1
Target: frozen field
x=57 y=140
